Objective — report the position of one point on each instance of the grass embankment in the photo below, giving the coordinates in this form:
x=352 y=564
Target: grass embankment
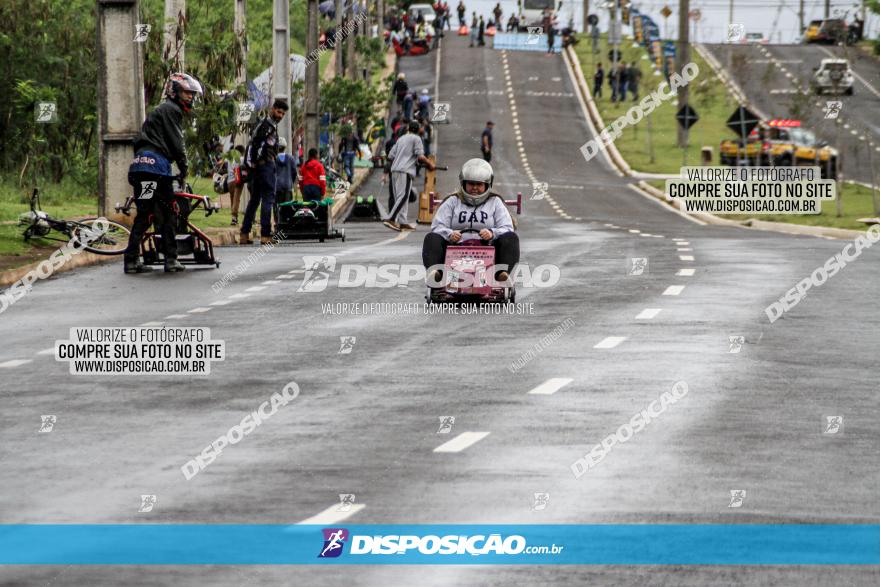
x=856 y=199
x=709 y=98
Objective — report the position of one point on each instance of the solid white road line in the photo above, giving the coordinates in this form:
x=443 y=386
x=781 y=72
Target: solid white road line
x=686 y=272
x=151 y=324
x=285 y=276
x=685 y=250
x=664 y=206
x=610 y=342
x=256 y=288
x=551 y=386
x=686 y=257
x=461 y=442
x=47 y=351
x=332 y=515
x=199 y=310
x=271 y=282
x=648 y=313
x=673 y=290
x=238 y=296
x=220 y=303
x=15 y=363
x=175 y=316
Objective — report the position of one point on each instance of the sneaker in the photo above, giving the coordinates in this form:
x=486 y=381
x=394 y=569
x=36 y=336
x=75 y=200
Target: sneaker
x=173 y=266
x=244 y=238
x=392 y=225
x=136 y=266
x=407 y=227
x=433 y=279
x=265 y=240
x=234 y=222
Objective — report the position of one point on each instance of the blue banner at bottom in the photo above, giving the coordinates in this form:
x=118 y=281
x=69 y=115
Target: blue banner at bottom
x=641 y=544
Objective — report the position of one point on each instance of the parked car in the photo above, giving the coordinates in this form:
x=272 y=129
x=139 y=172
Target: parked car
x=829 y=30
x=424 y=10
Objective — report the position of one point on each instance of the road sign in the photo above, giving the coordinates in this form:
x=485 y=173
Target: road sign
x=687 y=116
x=666 y=11
x=593 y=20
x=614 y=55
x=742 y=121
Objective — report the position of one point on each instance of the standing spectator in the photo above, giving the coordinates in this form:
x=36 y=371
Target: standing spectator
x=260 y=157
x=497 y=12
x=634 y=76
x=594 y=35
x=598 y=78
x=512 y=24
x=400 y=89
x=621 y=81
x=612 y=81
x=462 y=11
x=404 y=156
x=285 y=172
x=348 y=147
x=473 y=29
x=424 y=103
x=447 y=17
x=408 y=105
x=482 y=29
x=549 y=22
x=486 y=141
x=235 y=182
x=314 y=178
x=426 y=133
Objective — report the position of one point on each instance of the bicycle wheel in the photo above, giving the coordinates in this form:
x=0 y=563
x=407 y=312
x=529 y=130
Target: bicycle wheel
x=113 y=241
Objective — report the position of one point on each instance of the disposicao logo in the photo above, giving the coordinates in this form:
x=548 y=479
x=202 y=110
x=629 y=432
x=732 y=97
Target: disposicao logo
x=334 y=540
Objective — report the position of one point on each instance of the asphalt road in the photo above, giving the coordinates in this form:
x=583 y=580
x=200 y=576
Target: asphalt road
x=773 y=77
x=367 y=422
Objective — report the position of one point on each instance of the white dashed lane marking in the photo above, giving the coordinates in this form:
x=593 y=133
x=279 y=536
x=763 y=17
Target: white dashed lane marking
x=551 y=386
x=332 y=515
x=199 y=310
x=648 y=314
x=686 y=272
x=610 y=342
x=220 y=303
x=673 y=290
x=271 y=282
x=14 y=363
x=47 y=351
x=175 y=316
x=686 y=257
x=461 y=442
x=239 y=296
x=256 y=288
x=151 y=324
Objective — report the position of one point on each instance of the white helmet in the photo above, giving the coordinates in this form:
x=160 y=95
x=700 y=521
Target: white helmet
x=476 y=170
x=282 y=143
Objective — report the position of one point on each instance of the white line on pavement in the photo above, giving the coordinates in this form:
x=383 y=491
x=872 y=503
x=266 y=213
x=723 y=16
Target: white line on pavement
x=684 y=250
x=610 y=342
x=270 y=282
x=686 y=257
x=681 y=243
x=551 y=386
x=285 y=277
x=14 y=363
x=199 y=310
x=648 y=314
x=673 y=290
x=239 y=296
x=47 y=351
x=461 y=442
x=634 y=231
x=220 y=303
x=151 y=324
x=332 y=515
x=256 y=288
x=686 y=272
x=175 y=316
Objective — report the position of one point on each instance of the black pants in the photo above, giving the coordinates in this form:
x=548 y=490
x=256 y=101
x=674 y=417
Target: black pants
x=487 y=155
x=262 y=196
x=506 y=250
x=156 y=207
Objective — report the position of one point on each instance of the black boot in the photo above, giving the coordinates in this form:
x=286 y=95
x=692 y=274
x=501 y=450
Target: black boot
x=135 y=266
x=173 y=266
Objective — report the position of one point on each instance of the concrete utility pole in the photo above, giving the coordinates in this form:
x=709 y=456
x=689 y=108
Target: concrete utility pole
x=586 y=14
x=827 y=8
x=175 y=14
x=380 y=17
x=338 y=47
x=120 y=98
x=730 y=13
x=683 y=57
x=239 y=27
x=350 y=66
x=281 y=61
x=801 y=16
x=311 y=138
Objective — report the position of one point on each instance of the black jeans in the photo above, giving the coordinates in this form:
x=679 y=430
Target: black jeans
x=156 y=207
x=262 y=196
x=506 y=250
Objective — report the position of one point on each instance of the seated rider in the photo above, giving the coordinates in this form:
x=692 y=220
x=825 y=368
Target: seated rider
x=474 y=206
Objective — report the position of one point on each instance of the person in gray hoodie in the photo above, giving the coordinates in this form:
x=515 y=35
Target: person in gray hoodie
x=473 y=207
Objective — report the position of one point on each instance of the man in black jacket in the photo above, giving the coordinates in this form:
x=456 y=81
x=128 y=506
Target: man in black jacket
x=260 y=157
x=160 y=143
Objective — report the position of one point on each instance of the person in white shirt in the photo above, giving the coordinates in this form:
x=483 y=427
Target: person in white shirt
x=474 y=207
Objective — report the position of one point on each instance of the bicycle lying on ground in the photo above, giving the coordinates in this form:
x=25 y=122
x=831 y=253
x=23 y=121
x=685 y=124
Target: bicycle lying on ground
x=113 y=241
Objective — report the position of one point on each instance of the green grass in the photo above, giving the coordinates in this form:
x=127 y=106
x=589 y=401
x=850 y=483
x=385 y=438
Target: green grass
x=856 y=199
x=709 y=98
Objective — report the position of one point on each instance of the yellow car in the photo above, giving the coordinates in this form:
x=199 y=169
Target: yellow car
x=829 y=30
x=783 y=143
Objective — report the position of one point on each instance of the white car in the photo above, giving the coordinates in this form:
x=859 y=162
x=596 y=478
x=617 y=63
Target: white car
x=425 y=10
x=833 y=76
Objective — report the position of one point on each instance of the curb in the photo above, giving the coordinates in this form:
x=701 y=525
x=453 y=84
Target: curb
x=620 y=163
